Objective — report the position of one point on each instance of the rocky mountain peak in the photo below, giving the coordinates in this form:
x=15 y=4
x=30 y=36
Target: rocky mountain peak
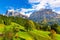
x=40 y=15
x=15 y=13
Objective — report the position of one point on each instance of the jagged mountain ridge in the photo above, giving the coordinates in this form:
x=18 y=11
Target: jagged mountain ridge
x=15 y=13
x=43 y=14
x=37 y=16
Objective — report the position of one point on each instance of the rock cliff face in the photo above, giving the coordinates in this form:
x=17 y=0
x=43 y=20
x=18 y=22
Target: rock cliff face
x=44 y=14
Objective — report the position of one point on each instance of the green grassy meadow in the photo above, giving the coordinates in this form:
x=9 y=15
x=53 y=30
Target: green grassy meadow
x=23 y=35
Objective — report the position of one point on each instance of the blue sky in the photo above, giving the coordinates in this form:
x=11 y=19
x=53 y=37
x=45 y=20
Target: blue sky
x=28 y=6
x=16 y=4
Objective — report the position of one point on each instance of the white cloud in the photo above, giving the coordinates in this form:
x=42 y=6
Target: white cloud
x=28 y=14
x=39 y=6
x=17 y=10
x=58 y=12
x=43 y=3
x=55 y=4
x=23 y=11
x=11 y=10
x=34 y=1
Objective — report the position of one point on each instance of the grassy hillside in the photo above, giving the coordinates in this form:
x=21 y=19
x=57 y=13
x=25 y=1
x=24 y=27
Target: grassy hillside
x=15 y=28
x=32 y=35
x=23 y=35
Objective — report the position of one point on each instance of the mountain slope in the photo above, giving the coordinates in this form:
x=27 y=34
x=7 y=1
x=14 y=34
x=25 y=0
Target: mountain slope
x=44 y=14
